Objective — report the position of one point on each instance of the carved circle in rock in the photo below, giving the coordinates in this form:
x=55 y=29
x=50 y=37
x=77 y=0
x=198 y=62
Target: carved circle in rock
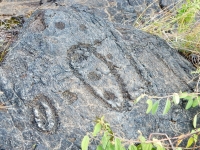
x=94 y=76
x=60 y=25
x=45 y=118
x=70 y=96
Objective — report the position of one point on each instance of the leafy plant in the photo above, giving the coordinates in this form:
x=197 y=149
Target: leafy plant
x=193 y=100
x=109 y=141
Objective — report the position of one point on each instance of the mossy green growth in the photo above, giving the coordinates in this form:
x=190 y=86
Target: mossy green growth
x=10 y=23
x=2 y=55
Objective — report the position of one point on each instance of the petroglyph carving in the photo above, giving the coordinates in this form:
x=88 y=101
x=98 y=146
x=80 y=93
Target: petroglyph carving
x=92 y=69
x=45 y=117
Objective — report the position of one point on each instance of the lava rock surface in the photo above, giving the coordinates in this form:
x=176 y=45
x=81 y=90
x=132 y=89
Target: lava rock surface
x=70 y=66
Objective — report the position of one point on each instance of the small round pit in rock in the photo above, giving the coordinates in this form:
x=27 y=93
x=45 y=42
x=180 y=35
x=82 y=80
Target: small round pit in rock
x=60 y=25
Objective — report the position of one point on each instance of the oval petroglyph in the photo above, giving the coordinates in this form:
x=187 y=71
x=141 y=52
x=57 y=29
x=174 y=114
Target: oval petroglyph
x=44 y=114
x=95 y=71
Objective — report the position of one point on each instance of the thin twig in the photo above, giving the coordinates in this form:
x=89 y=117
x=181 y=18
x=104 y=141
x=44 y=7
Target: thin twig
x=170 y=142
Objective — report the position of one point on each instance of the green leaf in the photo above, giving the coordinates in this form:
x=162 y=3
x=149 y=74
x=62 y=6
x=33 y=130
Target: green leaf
x=155 y=107
x=181 y=95
x=132 y=147
x=189 y=103
x=159 y=147
x=176 y=97
x=190 y=142
x=195 y=136
x=150 y=104
x=142 y=139
x=99 y=147
x=195 y=121
x=167 y=107
x=105 y=139
x=85 y=143
x=118 y=145
x=147 y=146
x=139 y=147
x=110 y=146
x=188 y=98
x=97 y=128
x=195 y=102
x=139 y=98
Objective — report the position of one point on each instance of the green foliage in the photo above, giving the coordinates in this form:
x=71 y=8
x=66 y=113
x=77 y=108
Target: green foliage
x=97 y=129
x=85 y=143
x=155 y=107
x=193 y=138
x=192 y=99
x=10 y=23
x=132 y=147
x=150 y=105
x=3 y=54
x=108 y=141
x=139 y=98
x=167 y=107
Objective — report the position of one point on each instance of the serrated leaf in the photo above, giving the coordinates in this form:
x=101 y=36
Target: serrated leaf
x=150 y=104
x=85 y=143
x=195 y=121
x=189 y=103
x=132 y=147
x=147 y=146
x=167 y=107
x=176 y=98
x=155 y=107
x=190 y=142
x=97 y=128
x=195 y=102
x=182 y=95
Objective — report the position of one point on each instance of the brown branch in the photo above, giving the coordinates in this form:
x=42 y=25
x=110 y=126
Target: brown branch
x=170 y=142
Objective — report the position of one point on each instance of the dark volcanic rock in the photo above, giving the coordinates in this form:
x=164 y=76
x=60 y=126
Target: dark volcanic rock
x=69 y=66
x=119 y=11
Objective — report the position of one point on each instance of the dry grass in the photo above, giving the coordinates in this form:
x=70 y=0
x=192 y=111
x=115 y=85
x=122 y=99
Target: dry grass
x=178 y=26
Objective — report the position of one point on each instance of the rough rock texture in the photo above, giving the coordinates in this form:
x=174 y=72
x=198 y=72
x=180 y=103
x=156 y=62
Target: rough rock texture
x=70 y=66
x=118 y=11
